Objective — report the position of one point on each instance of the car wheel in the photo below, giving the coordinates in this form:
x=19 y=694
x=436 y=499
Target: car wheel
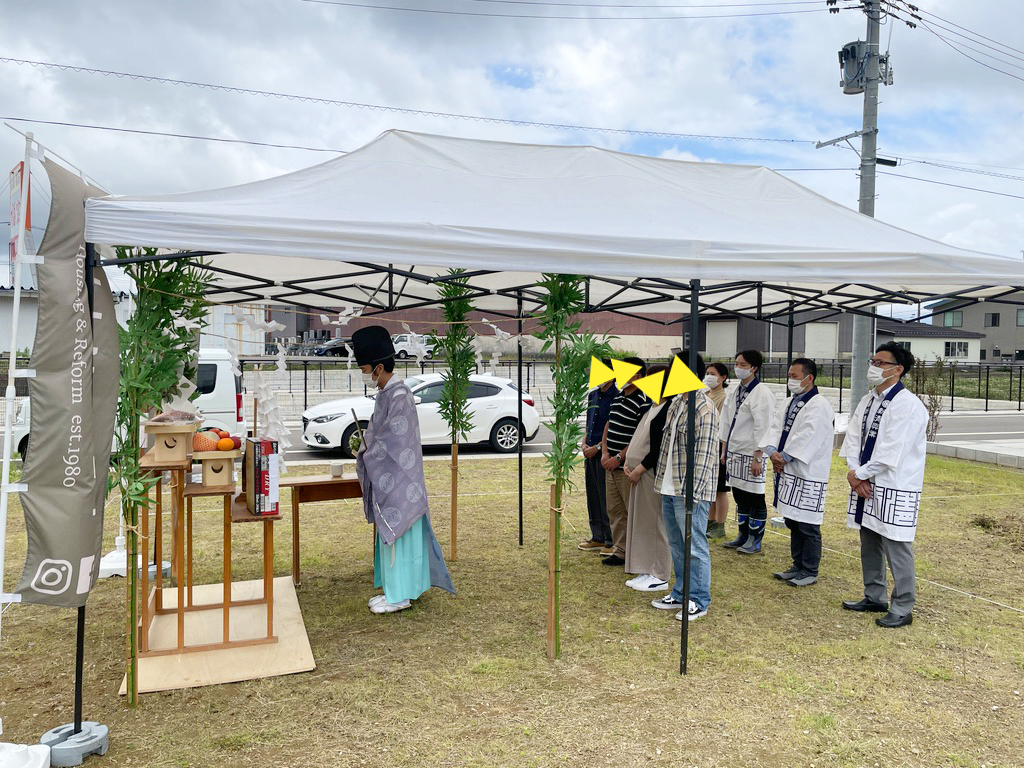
x=505 y=436
x=23 y=449
x=350 y=441
x=401 y=354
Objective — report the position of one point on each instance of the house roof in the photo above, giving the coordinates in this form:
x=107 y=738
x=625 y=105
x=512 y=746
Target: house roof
x=923 y=330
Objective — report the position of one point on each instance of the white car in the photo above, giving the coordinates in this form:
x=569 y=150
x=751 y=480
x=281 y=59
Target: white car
x=493 y=403
x=218 y=398
x=404 y=347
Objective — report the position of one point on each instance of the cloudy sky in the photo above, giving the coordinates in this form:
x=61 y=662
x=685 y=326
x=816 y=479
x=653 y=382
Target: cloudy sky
x=753 y=70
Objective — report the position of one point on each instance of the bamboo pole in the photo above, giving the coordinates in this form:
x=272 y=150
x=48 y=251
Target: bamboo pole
x=554 y=526
x=131 y=510
x=455 y=501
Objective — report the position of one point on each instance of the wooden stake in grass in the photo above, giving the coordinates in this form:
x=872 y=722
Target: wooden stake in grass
x=453 y=404
x=565 y=299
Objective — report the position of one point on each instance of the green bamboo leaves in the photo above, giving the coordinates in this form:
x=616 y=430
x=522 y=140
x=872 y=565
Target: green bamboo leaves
x=158 y=342
x=457 y=350
x=565 y=299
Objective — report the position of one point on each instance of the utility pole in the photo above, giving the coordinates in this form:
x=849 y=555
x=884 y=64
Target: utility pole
x=864 y=327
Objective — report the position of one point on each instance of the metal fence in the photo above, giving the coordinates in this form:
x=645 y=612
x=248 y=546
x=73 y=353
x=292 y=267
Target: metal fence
x=967 y=386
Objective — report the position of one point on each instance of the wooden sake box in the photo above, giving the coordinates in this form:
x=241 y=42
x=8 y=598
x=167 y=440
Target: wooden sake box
x=172 y=441
x=218 y=467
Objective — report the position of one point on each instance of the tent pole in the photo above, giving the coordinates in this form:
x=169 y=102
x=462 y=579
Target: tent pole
x=691 y=446
x=519 y=361
x=12 y=365
x=79 y=668
x=789 y=337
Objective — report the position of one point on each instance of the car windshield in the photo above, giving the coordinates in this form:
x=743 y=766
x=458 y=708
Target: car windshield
x=412 y=382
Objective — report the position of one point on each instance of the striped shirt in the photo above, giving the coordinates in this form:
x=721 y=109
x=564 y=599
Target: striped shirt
x=624 y=417
x=670 y=479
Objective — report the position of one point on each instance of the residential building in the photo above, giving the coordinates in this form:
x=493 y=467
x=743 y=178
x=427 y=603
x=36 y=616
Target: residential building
x=1001 y=323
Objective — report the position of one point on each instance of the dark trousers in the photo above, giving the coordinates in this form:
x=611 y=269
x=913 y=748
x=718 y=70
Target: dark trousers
x=597 y=506
x=750 y=504
x=805 y=546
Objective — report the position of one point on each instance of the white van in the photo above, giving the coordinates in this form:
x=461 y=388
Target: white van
x=219 y=399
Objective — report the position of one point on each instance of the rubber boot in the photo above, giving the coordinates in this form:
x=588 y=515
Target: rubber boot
x=755 y=533
x=742 y=536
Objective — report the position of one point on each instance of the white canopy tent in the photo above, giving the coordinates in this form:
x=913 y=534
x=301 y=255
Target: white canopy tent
x=645 y=225
x=690 y=237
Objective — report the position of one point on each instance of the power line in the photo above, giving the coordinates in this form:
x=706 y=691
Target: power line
x=640 y=5
x=947 y=184
x=969 y=170
x=558 y=18
x=396 y=110
x=957 y=45
x=968 y=56
x=172 y=135
x=915 y=9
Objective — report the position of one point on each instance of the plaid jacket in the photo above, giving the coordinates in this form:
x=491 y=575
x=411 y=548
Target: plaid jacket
x=672 y=461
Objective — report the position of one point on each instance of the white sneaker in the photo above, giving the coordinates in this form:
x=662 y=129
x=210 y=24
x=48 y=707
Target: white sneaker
x=693 y=611
x=375 y=599
x=648 y=583
x=386 y=607
x=654 y=584
x=633 y=582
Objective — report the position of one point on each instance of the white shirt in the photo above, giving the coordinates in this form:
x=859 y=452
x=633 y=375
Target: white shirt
x=896 y=466
x=804 y=481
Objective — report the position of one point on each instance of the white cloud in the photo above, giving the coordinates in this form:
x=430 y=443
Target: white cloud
x=771 y=76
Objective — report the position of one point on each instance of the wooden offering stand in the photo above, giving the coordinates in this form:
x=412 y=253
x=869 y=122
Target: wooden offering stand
x=218 y=467
x=182 y=494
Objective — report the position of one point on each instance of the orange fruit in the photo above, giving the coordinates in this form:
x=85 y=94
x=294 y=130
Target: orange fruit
x=225 y=444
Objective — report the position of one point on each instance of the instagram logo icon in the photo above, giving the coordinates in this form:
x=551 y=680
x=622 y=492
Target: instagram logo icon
x=53 y=577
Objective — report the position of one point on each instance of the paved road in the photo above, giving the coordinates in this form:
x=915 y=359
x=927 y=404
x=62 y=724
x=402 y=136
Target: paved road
x=984 y=427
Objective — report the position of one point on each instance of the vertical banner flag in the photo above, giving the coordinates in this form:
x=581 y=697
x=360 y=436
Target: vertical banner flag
x=73 y=398
x=14 y=180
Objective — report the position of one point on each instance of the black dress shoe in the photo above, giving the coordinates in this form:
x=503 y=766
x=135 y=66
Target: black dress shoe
x=892 y=621
x=870 y=606
x=613 y=560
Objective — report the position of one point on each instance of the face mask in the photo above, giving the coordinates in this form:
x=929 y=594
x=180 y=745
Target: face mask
x=742 y=373
x=875 y=375
x=369 y=380
x=711 y=381
x=796 y=386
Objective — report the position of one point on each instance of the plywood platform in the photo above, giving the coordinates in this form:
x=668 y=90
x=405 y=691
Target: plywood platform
x=290 y=654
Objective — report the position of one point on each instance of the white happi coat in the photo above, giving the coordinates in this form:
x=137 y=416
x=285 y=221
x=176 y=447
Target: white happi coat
x=752 y=423
x=896 y=466
x=802 y=484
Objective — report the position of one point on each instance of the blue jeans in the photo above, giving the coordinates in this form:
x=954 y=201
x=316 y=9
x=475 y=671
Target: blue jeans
x=674 y=510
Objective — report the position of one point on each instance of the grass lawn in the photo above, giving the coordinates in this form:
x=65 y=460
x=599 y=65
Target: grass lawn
x=778 y=676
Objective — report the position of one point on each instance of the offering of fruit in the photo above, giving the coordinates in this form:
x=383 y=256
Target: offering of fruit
x=225 y=444
x=237 y=442
x=201 y=441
